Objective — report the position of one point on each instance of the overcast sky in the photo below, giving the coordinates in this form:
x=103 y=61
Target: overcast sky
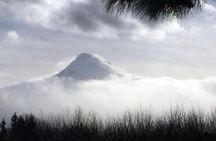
x=38 y=37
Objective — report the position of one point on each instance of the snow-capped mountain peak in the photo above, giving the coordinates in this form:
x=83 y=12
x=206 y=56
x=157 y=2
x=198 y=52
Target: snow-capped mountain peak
x=88 y=66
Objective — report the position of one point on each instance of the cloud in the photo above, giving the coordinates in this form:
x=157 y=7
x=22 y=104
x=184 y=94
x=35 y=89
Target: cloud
x=13 y=36
x=87 y=18
x=84 y=17
x=58 y=29
x=108 y=97
x=90 y=17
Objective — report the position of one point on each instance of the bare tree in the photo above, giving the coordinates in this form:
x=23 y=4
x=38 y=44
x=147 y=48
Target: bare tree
x=153 y=9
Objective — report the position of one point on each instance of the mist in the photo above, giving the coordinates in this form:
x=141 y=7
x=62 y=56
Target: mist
x=111 y=96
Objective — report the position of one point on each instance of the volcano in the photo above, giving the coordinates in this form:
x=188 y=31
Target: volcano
x=88 y=66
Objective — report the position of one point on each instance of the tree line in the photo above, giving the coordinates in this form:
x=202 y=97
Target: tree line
x=141 y=126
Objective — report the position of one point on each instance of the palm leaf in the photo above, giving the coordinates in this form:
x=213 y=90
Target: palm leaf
x=153 y=9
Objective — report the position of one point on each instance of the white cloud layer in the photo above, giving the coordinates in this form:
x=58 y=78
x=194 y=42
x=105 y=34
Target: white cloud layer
x=108 y=97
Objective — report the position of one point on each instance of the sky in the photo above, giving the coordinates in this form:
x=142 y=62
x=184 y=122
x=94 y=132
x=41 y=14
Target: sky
x=39 y=36
x=175 y=59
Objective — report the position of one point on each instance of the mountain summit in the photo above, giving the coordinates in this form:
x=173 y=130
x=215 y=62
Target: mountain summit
x=88 y=66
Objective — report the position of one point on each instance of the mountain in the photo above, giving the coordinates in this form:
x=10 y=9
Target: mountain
x=88 y=66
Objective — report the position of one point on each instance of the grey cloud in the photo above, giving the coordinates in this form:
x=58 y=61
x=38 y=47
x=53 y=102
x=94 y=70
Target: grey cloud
x=19 y=1
x=12 y=9
x=85 y=18
x=88 y=16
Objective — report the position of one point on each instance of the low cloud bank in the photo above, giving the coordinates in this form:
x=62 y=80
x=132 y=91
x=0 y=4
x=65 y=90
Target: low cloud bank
x=107 y=97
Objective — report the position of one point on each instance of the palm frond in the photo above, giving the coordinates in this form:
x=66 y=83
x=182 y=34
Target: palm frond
x=154 y=9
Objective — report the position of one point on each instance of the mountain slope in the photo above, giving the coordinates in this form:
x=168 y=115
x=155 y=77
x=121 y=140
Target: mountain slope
x=88 y=66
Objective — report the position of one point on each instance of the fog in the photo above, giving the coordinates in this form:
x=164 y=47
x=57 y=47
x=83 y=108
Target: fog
x=111 y=96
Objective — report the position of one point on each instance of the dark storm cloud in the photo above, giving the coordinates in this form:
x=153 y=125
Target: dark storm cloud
x=89 y=16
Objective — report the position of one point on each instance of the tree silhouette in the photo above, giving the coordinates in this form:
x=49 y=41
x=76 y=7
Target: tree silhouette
x=23 y=128
x=14 y=127
x=14 y=121
x=153 y=9
x=141 y=126
x=3 y=131
x=30 y=128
